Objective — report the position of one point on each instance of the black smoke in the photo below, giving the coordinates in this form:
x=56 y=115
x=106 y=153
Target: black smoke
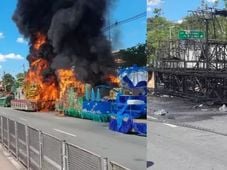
x=74 y=32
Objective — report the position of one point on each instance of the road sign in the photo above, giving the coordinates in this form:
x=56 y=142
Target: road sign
x=191 y=34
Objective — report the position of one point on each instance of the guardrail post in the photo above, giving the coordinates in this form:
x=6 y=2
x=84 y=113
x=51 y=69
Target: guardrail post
x=105 y=164
x=64 y=156
x=8 y=132
x=27 y=146
x=1 y=129
x=40 y=150
x=16 y=139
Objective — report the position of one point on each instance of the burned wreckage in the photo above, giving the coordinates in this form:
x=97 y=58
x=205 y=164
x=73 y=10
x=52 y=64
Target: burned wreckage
x=195 y=68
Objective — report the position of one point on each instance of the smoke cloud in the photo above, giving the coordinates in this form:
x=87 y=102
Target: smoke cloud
x=74 y=35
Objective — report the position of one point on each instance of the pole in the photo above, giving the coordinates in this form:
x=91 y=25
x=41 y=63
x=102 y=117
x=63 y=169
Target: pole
x=206 y=43
x=170 y=33
x=109 y=24
x=24 y=68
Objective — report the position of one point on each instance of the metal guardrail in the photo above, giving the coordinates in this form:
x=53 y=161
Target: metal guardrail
x=40 y=151
x=116 y=166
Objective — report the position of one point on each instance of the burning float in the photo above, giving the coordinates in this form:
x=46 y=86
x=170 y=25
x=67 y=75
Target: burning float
x=71 y=67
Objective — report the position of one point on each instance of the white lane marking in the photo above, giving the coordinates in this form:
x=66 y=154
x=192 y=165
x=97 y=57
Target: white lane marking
x=61 y=131
x=151 y=117
x=24 y=119
x=171 y=125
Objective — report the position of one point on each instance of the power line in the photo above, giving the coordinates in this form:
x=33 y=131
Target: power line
x=125 y=21
x=131 y=19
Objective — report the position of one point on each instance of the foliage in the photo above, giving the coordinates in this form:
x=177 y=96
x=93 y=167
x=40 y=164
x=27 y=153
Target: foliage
x=20 y=79
x=134 y=55
x=8 y=82
x=161 y=29
x=158 y=30
x=157 y=12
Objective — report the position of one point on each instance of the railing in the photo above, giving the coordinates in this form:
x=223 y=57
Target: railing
x=40 y=151
x=116 y=166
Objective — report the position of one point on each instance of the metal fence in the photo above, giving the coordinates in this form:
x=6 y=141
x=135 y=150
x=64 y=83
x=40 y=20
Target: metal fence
x=40 y=151
x=116 y=166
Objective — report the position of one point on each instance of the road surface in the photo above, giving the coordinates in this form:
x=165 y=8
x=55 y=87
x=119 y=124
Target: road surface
x=128 y=150
x=174 y=147
x=191 y=136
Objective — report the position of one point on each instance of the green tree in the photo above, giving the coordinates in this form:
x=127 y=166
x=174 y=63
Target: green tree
x=217 y=27
x=157 y=12
x=158 y=29
x=8 y=82
x=20 y=79
x=134 y=55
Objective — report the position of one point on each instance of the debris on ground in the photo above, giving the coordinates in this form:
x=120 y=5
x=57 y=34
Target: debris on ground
x=161 y=112
x=165 y=96
x=197 y=106
x=171 y=117
x=210 y=103
x=223 y=108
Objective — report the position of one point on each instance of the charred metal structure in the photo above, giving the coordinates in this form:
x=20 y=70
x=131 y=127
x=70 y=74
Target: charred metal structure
x=194 y=68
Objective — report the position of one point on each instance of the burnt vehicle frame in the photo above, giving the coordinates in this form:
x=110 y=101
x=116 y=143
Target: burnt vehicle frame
x=194 y=68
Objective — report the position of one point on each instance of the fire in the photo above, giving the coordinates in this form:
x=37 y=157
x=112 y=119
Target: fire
x=67 y=79
x=40 y=40
x=113 y=79
x=46 y=90
x=43 y=91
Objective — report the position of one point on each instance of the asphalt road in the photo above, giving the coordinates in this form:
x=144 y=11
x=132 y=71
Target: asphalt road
x=191 y=136
x=173 y=147
x=188 y=113
x=128 y=150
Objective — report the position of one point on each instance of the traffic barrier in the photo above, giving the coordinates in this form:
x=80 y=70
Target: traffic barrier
x=5 y=132
x=12 y=137
x=116 y=166
x=52 y=153
x=22 y=144
x=82 y=159
x=1 y=129
x=40 y=151
x=34 y=148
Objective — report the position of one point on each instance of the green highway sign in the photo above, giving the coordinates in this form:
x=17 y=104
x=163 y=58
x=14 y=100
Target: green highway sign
x=191 y=34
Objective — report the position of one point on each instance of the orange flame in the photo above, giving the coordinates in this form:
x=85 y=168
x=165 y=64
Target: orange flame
x=113 y=80
x=67 y=79
x=44 y=92
x=41 y=39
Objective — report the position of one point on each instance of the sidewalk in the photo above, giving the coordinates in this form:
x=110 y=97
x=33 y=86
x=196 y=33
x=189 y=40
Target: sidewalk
x=7 y=162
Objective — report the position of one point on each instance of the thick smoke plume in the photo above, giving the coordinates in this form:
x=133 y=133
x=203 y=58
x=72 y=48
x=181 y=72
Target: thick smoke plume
x=74 y=35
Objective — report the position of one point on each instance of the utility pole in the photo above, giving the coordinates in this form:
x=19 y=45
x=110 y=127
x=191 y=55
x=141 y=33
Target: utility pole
x=203 y=4
x=4 y=85
x=23 y=68
x=170 y=31
x=109 y=25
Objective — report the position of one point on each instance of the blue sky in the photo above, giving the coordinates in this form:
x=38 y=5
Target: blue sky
x=13 y=49
x=176 y=10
